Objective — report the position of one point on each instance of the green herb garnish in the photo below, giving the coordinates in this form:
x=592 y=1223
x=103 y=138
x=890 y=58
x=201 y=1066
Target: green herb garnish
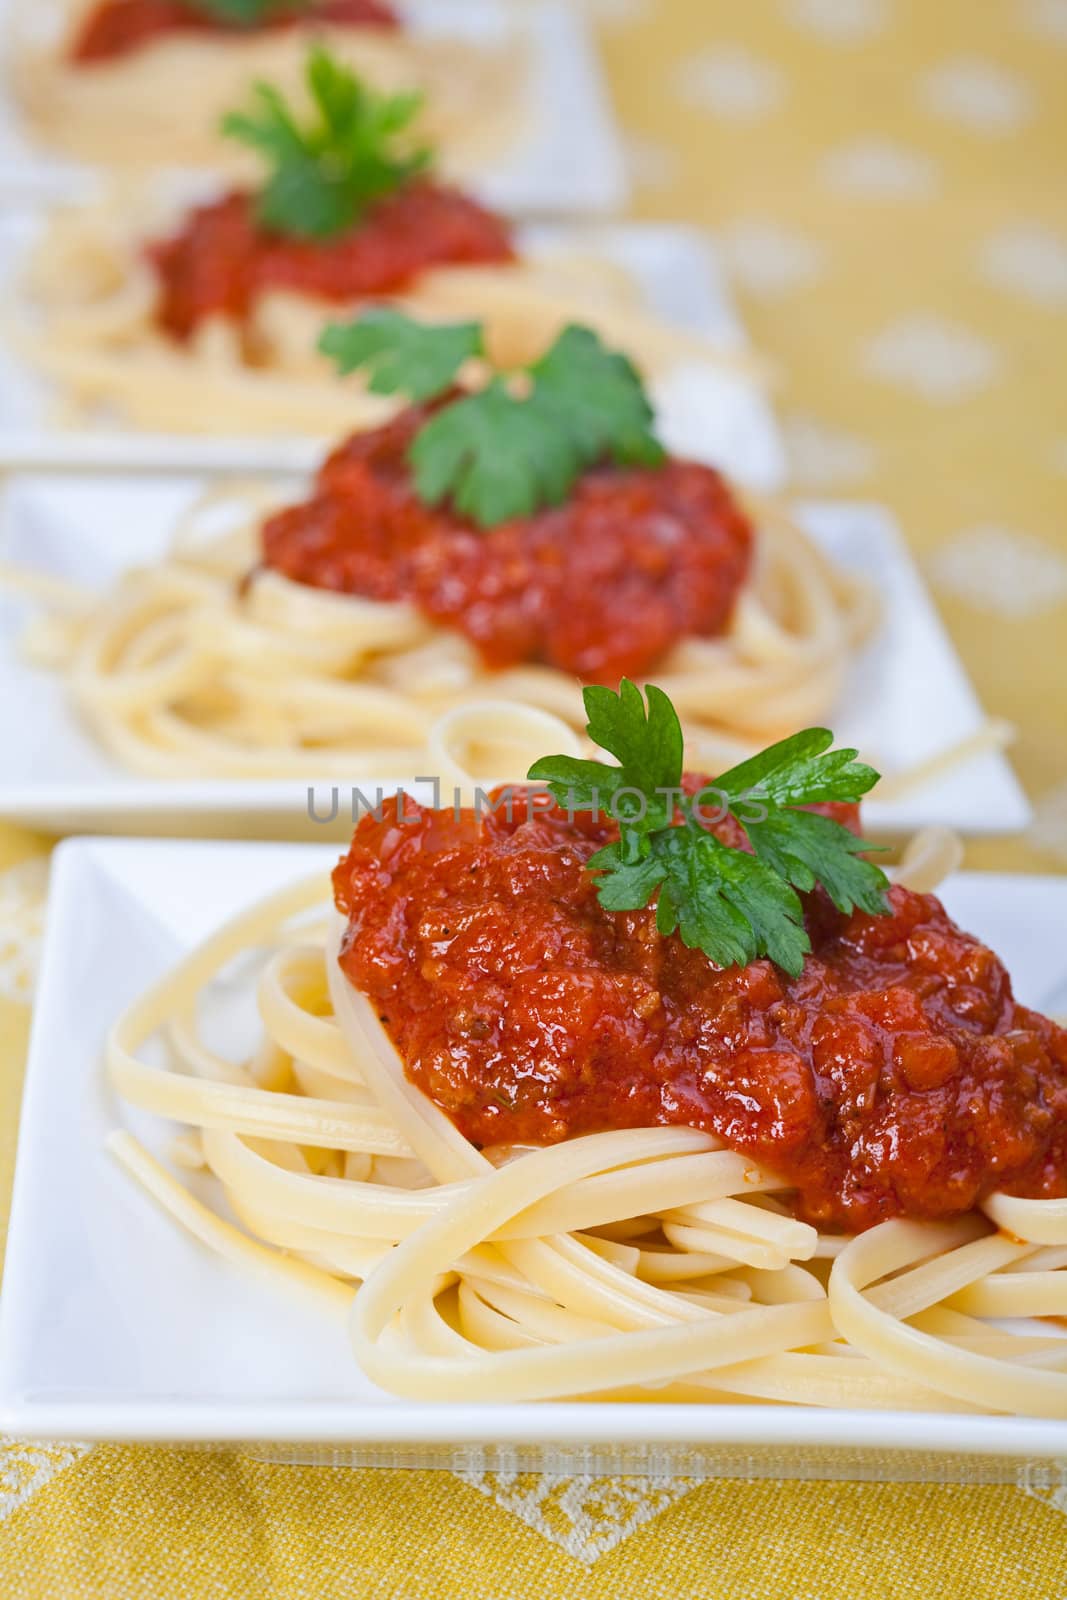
x=247 y=13
x=732 y=905
x=401 y=356
x=328 y=171
x=522 y=441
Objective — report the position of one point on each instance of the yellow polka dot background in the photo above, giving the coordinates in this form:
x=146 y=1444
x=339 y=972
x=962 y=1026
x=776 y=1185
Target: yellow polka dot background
x=887 y=182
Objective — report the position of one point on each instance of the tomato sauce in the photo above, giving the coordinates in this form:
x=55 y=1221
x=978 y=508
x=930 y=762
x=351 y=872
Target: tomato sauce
x=896 y=1076
x=223 y=259
x=117 y=28
x=600 y=587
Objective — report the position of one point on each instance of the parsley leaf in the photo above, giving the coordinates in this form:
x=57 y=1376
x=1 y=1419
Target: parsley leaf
x=643 y=789
x=521 y=442
x=401 y=355
x=247 y=13
x=734 y=905
x=649 y=748
x=808 y=849
x=494 y=457
x=627 y=885
x=798 y=766
x=802 y=846
x=597 y=395
x=326 y=173
x=723 y=899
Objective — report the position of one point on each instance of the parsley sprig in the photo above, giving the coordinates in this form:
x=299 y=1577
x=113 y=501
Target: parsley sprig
x=733 y=905
x=522 y=441
x=326 y=172
x=247 y=13
x=402 y=356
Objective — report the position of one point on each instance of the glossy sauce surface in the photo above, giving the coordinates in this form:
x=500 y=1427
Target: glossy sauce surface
x=599 y=587
x=222 y=259
x=117 y=28
x=895 y=1076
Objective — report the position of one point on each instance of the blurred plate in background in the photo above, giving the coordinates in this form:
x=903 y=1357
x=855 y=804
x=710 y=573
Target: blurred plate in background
x=714 y=413
x=569 y=112
x=718 y=414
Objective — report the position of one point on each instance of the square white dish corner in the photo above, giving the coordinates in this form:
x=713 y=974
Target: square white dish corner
x=115 y=1325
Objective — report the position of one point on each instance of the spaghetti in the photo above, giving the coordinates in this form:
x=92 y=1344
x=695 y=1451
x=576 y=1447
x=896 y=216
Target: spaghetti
x=649 y=1263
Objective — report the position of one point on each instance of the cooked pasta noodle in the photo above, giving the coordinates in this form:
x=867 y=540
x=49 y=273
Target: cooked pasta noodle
x=650 y=1263
x=93 y=331
x=184 y=669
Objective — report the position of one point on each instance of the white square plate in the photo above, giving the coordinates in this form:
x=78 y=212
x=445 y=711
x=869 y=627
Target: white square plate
x=570 y=111
x=722 y=415
x=114 y=1324
x=907 y=697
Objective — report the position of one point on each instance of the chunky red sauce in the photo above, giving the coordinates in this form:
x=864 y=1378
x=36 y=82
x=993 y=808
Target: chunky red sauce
x=222 y=259
x=896 y=1076
x=600 y=587
x=117 y=28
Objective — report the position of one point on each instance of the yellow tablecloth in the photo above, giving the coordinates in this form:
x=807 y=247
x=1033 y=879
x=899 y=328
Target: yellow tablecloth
x=888 y=180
